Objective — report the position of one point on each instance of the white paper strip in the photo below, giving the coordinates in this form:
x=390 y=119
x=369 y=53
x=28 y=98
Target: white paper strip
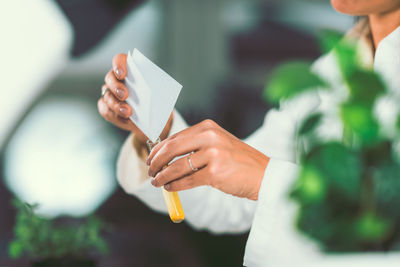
x=152 y=94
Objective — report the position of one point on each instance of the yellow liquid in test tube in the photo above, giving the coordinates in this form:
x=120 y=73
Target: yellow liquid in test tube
x=171 y=199
x=174 y=206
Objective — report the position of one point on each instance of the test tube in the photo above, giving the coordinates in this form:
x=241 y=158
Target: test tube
x=171 y=199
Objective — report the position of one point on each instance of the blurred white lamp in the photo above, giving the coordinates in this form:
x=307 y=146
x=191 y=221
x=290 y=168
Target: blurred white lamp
x=61 y=157
x=58 y=157
x=36 y=40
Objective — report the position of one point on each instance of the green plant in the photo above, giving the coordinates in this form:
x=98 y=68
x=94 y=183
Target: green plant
x=41 y=238
x=347 y=190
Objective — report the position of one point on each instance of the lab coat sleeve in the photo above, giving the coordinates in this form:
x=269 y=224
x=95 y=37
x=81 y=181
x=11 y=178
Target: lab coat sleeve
x=204 y=207
x=273 y=233
x=273 y=238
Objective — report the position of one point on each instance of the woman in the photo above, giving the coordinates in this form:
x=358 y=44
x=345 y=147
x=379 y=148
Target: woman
x=248 y=180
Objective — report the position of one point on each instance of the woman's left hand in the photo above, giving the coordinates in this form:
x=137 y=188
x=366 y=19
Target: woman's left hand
x=223 y=162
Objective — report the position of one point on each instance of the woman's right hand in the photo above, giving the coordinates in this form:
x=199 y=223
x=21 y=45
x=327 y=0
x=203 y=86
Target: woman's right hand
x=112 y=105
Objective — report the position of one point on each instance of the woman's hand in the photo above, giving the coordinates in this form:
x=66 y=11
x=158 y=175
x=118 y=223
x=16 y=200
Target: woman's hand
x=223 y=162
x=112 y=105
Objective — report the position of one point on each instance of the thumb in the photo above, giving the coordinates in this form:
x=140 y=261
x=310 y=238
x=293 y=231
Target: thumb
x=119 y=66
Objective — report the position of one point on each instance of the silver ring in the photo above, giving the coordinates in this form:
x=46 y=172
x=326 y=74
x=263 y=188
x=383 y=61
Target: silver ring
x=103 y=92
x=190 y=162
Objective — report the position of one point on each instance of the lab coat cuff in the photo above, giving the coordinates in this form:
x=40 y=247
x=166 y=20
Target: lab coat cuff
x=131 y=169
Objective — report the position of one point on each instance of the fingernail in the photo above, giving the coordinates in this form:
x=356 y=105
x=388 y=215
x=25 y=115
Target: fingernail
x=120 y=93
x=124 y=111
x=148 y=162
x=167 y=187
x=119 y=72
x=153 y=181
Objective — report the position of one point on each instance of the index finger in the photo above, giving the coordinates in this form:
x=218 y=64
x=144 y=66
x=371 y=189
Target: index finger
x=182 y=134
x=172 y=149
x=119 y=66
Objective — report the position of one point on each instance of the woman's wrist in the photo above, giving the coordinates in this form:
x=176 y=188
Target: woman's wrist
x=259 y=178
x=140 y=147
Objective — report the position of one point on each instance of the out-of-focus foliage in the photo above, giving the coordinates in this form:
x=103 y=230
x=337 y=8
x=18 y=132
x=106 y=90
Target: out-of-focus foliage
x=348 y=192
x=290 y=79
x=360 y=121
x=41 y=238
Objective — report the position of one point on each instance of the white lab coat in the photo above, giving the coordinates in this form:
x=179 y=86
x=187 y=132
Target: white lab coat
x=273 y=239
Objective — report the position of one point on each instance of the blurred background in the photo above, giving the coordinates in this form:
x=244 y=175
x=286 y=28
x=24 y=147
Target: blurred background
x=57 y=151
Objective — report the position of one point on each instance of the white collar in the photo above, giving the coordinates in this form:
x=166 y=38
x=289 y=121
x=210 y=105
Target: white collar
x=387 y=61
x=361 y=33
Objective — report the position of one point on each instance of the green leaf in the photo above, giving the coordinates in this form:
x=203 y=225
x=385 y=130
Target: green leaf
x=23 y=232
x=340 y=166
x=310 y=186
x=359 y=119
x=15 y=249
x=328 y=39
x=310 y=123
x=371 y=228
x=42 y=238
x=331 y=229
x=346 y=54
x=290 y=79
x=365 y=86
x=386 y=181
x=315 y=221
x=344 y=48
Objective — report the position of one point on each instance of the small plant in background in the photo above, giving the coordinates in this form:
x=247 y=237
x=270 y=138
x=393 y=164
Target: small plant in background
x=43 y=239
x=348 y=190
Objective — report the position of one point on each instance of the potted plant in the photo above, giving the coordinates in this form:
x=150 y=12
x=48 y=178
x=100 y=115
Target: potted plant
x=347 y=191
x=48 y=242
